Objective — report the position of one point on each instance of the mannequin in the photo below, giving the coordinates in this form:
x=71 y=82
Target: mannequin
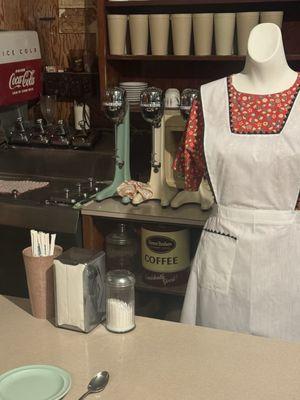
x=245 y=274
x=266 y=71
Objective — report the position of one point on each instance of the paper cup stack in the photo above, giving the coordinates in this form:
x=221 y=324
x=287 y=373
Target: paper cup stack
x=133 y=91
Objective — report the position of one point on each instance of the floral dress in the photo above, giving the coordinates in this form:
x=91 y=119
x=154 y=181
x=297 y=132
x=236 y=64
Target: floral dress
x=249 y=114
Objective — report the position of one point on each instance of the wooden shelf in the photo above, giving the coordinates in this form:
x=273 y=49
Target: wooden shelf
x=130 y=57
x=142 y=286
x=145 y=5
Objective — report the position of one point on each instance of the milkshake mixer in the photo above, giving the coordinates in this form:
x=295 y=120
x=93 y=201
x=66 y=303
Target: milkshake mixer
x=116 y=108
x=187 y=98
x=152 y=109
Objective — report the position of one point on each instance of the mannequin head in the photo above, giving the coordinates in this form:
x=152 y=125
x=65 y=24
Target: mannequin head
x=266 y=69
x=264 y=42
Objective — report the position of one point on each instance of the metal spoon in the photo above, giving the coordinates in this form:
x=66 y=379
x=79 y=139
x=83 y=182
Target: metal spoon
x=97 y=383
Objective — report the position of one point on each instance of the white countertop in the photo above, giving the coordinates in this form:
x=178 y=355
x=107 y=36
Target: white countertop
x=159 y=360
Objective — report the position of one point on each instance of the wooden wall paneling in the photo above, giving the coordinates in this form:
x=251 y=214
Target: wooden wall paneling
x=43 y=16
x=13 y=16
x=2 y=23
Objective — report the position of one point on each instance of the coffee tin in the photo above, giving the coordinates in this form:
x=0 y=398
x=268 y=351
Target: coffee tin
x=165 y=255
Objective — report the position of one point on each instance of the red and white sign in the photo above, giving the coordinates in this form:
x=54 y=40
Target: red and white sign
x=20 y=67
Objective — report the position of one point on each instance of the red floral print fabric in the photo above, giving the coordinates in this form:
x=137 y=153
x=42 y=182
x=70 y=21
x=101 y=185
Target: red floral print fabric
x=249 y=114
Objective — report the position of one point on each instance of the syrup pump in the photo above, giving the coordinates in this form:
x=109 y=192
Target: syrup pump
x=152 y=109
x=116 y=108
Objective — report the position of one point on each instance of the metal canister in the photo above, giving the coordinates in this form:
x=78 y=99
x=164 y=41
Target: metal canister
x=165 y=255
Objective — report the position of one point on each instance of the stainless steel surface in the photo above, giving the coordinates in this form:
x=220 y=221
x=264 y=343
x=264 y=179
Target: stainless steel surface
x=97 y=384
x=38 y=209
x=187 y=215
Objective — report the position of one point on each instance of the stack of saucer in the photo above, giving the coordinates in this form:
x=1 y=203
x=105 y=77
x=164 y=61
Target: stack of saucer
x=133 y=91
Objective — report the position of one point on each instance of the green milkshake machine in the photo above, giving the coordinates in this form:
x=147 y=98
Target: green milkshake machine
x=116 y=108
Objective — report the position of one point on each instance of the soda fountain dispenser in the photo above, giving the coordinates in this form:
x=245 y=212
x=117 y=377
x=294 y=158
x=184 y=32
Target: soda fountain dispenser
x=20 y=82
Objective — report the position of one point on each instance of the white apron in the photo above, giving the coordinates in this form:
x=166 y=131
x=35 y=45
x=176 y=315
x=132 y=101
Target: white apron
x=246 y=272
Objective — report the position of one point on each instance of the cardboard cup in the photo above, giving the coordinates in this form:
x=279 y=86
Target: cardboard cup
x=203 y=33
x=274 y=17
x=181 y=33
x=224 y=33
x=117 y=27
x=159 y=33
x=39 y=274
x=245 y=21
x=139 y=33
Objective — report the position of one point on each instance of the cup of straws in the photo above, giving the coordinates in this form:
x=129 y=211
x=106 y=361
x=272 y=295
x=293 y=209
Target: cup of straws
x=38 y=261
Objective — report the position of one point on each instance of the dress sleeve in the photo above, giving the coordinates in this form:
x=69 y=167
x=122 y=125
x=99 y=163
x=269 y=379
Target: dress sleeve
x=189 y=160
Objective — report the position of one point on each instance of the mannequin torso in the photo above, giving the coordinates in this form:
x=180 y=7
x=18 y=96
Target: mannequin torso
x=266 y=71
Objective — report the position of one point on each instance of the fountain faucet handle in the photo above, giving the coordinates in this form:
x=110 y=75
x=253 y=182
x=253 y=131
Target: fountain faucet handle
x=40 y=125
x=20 y=124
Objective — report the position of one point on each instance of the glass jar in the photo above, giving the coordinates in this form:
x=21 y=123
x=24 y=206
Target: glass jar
x=121 y=249
x=120 y=306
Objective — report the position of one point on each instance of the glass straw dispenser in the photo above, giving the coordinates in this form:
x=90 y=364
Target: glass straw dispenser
x=120 y=306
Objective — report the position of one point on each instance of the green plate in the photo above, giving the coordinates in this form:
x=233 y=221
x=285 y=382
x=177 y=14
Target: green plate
x=35 y=382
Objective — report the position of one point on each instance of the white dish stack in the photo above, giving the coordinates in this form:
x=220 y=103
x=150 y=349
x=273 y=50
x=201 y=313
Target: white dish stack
x=133 y=91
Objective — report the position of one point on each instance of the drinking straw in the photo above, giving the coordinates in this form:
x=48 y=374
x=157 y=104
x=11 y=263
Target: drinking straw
x=41 y=244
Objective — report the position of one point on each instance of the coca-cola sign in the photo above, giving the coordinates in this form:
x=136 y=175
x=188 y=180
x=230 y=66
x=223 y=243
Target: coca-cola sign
x=22 y=79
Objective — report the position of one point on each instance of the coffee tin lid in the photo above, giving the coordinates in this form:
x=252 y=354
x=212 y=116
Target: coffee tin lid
x=120 y=278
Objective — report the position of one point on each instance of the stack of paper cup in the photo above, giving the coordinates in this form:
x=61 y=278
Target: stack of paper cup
x=117 y=27
x=203 y=33
x=138 y=26
x=159 y=33
x=181 y=33
x=246 y=21
x=274 y=17
x=224 y=33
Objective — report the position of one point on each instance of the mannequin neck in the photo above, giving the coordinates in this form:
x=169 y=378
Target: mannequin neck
x=266 y=70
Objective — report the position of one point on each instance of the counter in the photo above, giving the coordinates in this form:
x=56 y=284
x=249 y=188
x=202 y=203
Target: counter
x=159 y=360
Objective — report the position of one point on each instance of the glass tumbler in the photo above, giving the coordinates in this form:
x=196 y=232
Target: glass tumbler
x=120 y=304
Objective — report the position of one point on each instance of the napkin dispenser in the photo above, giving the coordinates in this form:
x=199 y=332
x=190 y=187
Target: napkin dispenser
x=79 y=276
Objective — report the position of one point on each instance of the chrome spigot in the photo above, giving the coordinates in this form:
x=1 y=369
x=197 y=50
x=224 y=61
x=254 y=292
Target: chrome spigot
x=41 y=126
x=83 y=128
x=20 y=125
x=61 y=128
